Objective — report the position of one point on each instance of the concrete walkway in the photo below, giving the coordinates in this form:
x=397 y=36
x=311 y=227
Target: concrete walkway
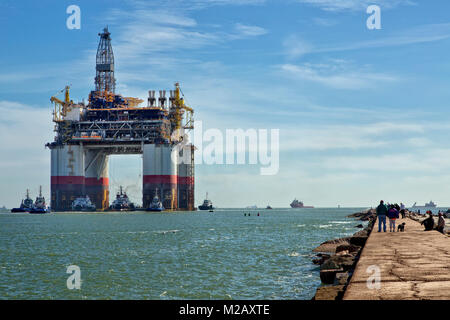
x=413 y=265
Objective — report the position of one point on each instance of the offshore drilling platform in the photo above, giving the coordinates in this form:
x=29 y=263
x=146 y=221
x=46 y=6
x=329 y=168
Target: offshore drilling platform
x=86 y=135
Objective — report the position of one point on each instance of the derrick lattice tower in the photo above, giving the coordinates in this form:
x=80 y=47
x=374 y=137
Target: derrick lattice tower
x=104 y=78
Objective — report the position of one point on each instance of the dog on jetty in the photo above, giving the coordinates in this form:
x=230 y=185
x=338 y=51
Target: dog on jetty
x=401 y=227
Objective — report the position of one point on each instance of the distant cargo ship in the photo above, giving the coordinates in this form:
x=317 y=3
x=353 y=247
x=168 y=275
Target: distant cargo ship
x=430 y=204
x=299 y=204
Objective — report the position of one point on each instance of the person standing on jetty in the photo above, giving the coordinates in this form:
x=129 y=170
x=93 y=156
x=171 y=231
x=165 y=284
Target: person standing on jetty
x=402 y=210
x=441 y=223
x=381 y=214
x=393 y=215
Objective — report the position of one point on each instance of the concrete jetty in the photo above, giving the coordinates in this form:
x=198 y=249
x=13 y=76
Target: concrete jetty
x=413 y=265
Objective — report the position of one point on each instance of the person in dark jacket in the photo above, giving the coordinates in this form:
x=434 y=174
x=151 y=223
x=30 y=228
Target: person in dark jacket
x=393 y=216
x=428 y=223
x=382 y=211
x=441 y=223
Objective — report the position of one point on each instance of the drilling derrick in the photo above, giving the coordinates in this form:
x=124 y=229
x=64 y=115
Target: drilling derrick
x=104 y=78
x=86 y=135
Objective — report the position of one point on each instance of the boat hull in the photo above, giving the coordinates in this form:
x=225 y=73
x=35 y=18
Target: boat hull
x=302 y=207
x=122 y=208
x=38 y=211
x=205 y=208
x=16 y=210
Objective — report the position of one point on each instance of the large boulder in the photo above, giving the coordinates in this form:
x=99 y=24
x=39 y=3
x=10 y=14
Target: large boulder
x=348 y=247
x=321 y=258
x=360 y=237
x=341 y=278
x=364 y=215
x=358 y=241
x=329 y=276
x=330 y=293
x=361 y=233
x=331 y=245
x=338 y=262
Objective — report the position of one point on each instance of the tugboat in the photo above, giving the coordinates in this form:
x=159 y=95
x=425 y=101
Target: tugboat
x=26 y=205
x=39 y=206
x=83 y=204
x=299 y=204
x=155 y=205
x=122 y=202
x=268 y=207
x=207 y=204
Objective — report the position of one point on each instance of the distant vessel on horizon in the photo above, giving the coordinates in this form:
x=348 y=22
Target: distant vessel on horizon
x=430 y=204
x=299 y=204
x=26 y=205
x=39 y=207
x=207 y=204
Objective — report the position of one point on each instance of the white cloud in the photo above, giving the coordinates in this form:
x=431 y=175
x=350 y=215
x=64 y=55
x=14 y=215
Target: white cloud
x=327 y=75
x=148 y=33
x=393 y=162
x=323 y=22
x=420 y=34
x=246 y=30
x=341 y=5
x=419 y=142
x=295 y=47
x=198 y=4
x=327 y=137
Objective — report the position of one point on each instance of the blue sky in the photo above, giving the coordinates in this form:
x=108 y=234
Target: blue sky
x=363 y=114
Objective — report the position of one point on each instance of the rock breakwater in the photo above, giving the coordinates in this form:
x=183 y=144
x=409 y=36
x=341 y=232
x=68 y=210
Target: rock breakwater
x=338 y=257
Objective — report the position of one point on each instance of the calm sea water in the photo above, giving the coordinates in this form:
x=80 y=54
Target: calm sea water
x=196 y=255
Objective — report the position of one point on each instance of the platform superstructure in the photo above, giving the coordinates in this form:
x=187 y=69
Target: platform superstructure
x=87 y=134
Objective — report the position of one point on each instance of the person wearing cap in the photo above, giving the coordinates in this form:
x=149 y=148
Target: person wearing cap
x=441 y=223
x=428 y=223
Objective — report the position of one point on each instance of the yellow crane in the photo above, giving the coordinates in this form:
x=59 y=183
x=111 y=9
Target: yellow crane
x=61 y=107
x=180 y=108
